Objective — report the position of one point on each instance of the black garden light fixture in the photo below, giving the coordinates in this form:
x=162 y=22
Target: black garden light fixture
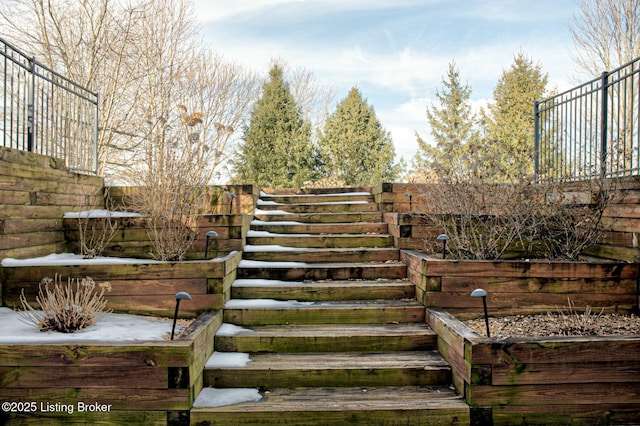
x=479 y=292
x=232 y=197
x=210 y=234
x=182 y=295
x=444 y=238
x=410 y=195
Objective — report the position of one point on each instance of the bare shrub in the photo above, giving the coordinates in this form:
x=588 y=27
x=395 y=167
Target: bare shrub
x=95 y=232
x=483 y=219
x=570 y=322
x=521 y=218
x=173 y=183
x=66 y=308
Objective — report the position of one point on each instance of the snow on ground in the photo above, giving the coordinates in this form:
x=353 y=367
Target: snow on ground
x=264 y=264
x=72 y=259
x=264 y=283
x=94 y=214
x=262 y=202
x=227 y=329
x=264 y=303
x=211 y=397
x=273 y=247
x=275 y=223
x=228 y=360
x=252 y=233
x=272 y=212
x=336 y=194
x=108 y=328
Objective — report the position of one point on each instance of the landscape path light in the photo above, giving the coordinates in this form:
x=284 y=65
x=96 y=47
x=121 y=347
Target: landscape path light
x=479 y=292
x=210 y=234
x=410 y=195
x=232 y=197
x=444 y=238
x=182 y=295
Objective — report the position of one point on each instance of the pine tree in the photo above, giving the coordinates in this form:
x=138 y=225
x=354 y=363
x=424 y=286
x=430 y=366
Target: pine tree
x=453 y=129
x=354 y=146
x=277 y=150
x=510 y=123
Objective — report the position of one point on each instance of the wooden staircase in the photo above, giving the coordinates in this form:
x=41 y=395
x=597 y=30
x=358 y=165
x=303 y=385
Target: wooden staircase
x=324 y=312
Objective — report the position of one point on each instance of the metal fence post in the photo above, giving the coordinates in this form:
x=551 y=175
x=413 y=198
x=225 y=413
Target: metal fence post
x=536 y=137
x=604 y=128
x=31 y=104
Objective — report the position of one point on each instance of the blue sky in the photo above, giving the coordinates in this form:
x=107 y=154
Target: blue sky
x=396 y=51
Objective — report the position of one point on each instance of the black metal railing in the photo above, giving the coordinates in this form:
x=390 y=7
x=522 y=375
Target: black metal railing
x=44 y=112
x=592 y=130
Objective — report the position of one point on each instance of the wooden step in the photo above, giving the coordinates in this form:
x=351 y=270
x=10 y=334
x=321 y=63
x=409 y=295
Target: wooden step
x=313 y=191
x=387 y=405
x=261 y=238
x=330 y=369
x=332 y=337
x=372 y=217
x=299 y=271
x=291 y=227
x=322 y=290
x=346 y=207
x=270 y=312
x=278 y=253
x=318 y=198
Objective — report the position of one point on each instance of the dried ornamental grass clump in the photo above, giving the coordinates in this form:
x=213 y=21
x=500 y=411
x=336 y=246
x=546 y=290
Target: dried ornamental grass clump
x=66 y=308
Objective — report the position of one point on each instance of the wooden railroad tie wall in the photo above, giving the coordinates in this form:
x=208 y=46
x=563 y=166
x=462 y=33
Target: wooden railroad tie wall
x=559 y=380
x=35 y=193
x=521 y=287
x=137 y=383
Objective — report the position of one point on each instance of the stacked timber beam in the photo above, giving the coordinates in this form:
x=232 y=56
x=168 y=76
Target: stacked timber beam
x=328 y=321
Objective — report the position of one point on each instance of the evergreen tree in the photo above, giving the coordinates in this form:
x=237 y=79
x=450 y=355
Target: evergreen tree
x=510 y=123
x=354 y=147
x=453 y=129
x=277 y=150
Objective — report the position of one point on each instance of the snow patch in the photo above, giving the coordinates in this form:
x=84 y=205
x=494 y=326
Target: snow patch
x=109 y=327
x=252 y=233
x=275 y=223
x=228 y=360
x=262 y=202
x=212 y=397
x=227 y=329
x=95 y=214
x=272 y=212
x=273 y=247
x=264 y=303
x=263 y=264
x=264 y=283
x=72 y=259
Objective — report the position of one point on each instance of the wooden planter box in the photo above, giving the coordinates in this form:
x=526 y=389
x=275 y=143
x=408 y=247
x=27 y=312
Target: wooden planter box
x=132 y=237
x=521 y=287
x=555 y=380
x=152 y=382
x=142 y=288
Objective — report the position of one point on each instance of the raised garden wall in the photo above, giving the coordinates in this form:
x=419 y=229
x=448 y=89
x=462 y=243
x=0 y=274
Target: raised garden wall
x=244 y=203
x=132 y=237
x=35 y=192
x=620 y=223
x=556 y=380
x=141 y=288
x=133 y=383
x=521 y=287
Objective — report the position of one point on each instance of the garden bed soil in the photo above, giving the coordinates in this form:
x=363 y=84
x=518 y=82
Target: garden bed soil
x=558 y=324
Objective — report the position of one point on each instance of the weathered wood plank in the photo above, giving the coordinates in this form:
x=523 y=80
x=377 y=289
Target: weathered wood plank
x=538 y=285
x=550 y=350
x=120 y=398
x=544 y=395
x=571 y=372
x=143 y=354
x=78 y=376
